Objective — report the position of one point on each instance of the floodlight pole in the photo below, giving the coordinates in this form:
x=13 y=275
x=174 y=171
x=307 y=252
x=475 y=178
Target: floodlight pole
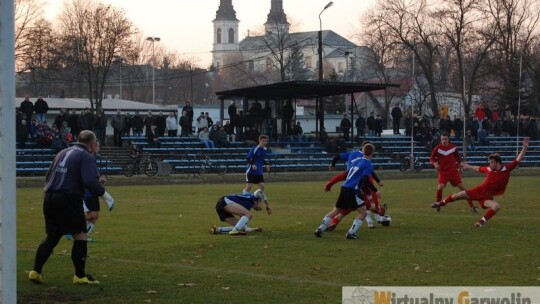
x=319 y=111
x=153 y=40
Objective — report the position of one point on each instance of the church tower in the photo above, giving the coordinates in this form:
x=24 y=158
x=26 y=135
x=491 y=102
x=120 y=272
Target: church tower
x=277 y=20
x=225 y=33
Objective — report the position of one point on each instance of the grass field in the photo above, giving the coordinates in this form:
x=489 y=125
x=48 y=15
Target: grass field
x=155 y=247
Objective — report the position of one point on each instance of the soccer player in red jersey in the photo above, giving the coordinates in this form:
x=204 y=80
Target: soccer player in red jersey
x=497 y=177
x=446 y=160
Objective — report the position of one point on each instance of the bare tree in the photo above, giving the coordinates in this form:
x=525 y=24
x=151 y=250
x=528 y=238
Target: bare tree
x=27 y=12
x=95 y=33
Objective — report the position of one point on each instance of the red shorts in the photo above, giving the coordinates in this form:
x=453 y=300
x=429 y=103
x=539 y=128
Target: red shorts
x=449 y=176
x=479 y=194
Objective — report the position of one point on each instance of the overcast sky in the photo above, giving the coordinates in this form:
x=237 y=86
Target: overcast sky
x=185 y=26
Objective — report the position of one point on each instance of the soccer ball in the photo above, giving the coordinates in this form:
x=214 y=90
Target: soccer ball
x=386 y=220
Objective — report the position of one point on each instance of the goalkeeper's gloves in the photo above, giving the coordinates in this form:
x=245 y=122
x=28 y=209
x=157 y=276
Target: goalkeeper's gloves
x=108 y=199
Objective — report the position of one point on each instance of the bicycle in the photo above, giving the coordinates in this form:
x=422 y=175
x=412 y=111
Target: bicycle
x=406 y=164
x=141 y=163
x=203 y=164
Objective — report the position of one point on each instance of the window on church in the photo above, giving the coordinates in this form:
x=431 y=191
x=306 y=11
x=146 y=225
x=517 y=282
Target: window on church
x=218 y=35
x=231 y=35
x=309 y=62
x=340 y=67
x=269 y=64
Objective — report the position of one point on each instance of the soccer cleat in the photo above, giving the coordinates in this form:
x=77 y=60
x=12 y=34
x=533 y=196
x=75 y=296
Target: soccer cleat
x=213 y=230
x=258 y=229
x=371 y=226
x=237 y=232
x=90 y=240
x=68 y=237
x=35 y=277
x=351 y=236
x=479 y=224
x=87 y=279
x=385 y=207
x=436 y=205
x=473 y=210
x=318 y=233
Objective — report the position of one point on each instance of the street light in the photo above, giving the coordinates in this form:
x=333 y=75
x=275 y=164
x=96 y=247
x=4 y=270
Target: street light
x=319 y=112
x=153 y=40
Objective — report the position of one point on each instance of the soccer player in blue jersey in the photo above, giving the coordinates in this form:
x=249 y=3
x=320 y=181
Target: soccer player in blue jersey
x=256 y=164
x=358 y=179
x=230 y=206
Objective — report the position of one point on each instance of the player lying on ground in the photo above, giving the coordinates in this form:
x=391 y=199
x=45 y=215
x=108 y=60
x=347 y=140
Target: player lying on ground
x=497 y=177
x=235 y=210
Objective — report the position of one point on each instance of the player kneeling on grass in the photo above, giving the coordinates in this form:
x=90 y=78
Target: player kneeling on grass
x=497 y=177
x=357 y=178
x=230 y=206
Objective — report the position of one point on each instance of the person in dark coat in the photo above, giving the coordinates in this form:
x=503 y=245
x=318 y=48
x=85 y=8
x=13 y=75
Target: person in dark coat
x=231 y=110
x=27 y=108
x=189 y=111
x=360 y=125
x=41 y=107
x=396 y=118
x=371 y=124
x=161 y=124
x=137 y=123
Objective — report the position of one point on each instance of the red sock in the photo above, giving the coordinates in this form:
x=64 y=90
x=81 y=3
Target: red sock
x=335 y=220
x=447 y=200
x=470 y=202
x=489 y=214
x=438 y=195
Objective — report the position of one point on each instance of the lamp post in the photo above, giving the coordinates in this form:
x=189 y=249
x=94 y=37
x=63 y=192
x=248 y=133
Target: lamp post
x=120 y=60
x=319 y=112
x=153 y=40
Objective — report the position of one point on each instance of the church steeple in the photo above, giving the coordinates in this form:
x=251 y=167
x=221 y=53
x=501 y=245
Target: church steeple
x=225 y=33
x=225 y=11
x=276 y=18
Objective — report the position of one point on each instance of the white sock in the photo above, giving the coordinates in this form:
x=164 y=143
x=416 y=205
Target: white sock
x=241 y=223
x=378 y=218
x=89 y=227
x=249 y=229
x=355 y=226
x=369 y=219
x=325 y=222
x=224 y=229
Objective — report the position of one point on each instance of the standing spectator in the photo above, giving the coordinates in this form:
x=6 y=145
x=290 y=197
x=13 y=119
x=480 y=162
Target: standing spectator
x=473 y=125
x=288 y=113
x=21 y=132
x=161 y=124
x=371 y=124
x=378 y=125
x=185 y=124
x=189 y=113
x=137 y=124
x=128 y=124
x=201 y=122
x=479 y=112
x=73 y=122
x=231 y=110
x=298 y=133
x=204 y=138
x=60 y=118
x=27 y=108
x=360 y=125
x=496 y=121
x=238 y=124
x=229 y=128
x=86 y=120
x=209 y=119
x=100 y=126
x=65 y=183
x=345 y=126
x=41 y=107
x=172 y=125
x=117 y=123
x=457 y=126
x=148 y=122
x=256 y=164
x=396 y=118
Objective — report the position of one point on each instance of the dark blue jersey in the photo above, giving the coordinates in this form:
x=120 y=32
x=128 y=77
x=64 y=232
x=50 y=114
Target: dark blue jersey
x=73 y=170
x=246 y=200
x=359 y=168
x=256 y=156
